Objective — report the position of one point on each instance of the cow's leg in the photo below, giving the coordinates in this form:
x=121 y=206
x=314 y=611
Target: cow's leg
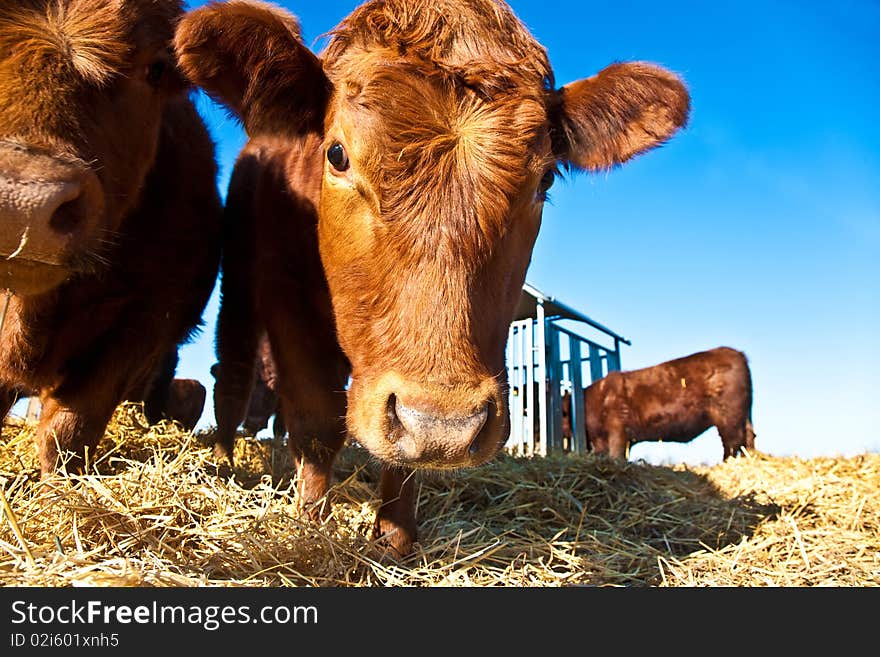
x=311 y=390
x=310 y=376
x=396 y=518
x=617 y=446
x=618 y=443
x=599 y=442
x=750 y=435
x=733 y=438
x=238 y=326
x=316 y=433
x=158 y=389
x=237 y=336
x=75 y=414
x=73 y=424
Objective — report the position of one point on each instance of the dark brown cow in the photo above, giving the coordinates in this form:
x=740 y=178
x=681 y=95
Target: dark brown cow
x=186 y=401
x=109 y=211
x=164 y=398
x=674 y=401
x=383 y=214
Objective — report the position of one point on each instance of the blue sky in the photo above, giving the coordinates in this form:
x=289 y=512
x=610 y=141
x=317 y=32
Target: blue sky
x=757 y=227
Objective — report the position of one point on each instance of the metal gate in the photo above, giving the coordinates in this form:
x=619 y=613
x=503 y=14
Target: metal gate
x=545 y=361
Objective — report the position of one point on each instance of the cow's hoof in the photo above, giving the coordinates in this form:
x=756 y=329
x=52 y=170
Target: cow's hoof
x=391 y=540
x=223 y=455
x=220 y=464
x=318 y=511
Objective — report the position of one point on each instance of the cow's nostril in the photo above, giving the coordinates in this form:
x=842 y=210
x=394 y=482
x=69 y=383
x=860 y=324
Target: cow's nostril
x=407 y=444
x=474 y=449
x=391 y=413
x=478 y=442
x=68 y=217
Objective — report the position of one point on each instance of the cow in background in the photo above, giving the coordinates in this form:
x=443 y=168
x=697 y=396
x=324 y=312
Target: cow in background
x=170 y=398
x=109 y=211
x=675 y=401
x=186 y=402
x=381 y=218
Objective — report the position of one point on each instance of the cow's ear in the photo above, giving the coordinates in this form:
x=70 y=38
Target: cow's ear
x=624 y=110
x=250 y=57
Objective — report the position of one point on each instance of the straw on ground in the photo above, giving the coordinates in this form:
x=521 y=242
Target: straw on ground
x=155 y=510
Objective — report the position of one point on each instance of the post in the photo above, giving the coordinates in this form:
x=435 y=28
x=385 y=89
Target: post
x=553 y=393
x=513 y=394
x=528 y=363
x=614 y=358
x=576 y=408
x=595 y=363
x=541 y=350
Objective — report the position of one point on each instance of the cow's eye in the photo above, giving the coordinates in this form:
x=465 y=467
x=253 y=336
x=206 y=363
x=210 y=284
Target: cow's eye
x=337 y=157
x=546 y=182
x=156 y=71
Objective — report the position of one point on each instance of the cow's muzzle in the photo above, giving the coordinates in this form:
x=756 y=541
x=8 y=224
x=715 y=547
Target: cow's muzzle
x=426 y=438
x=429 y=426
x=47 y=208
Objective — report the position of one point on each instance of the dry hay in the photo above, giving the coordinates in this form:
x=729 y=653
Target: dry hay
x=153 y=510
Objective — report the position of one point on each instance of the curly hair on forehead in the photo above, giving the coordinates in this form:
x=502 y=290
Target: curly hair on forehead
x=445 y=155
x=90 y=38
x=481 y=43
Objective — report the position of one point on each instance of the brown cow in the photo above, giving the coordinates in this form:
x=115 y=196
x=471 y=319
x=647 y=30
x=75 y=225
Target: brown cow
x=382 y=216
x=186 y=401
x=674 y=401
x=109 y=211
x=170 y=398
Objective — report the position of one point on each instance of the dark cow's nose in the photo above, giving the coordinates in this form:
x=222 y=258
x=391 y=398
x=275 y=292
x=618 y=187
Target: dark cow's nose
x=436 y=440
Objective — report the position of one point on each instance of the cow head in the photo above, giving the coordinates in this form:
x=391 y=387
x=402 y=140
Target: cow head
x=442 y=132
x=82 y=87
